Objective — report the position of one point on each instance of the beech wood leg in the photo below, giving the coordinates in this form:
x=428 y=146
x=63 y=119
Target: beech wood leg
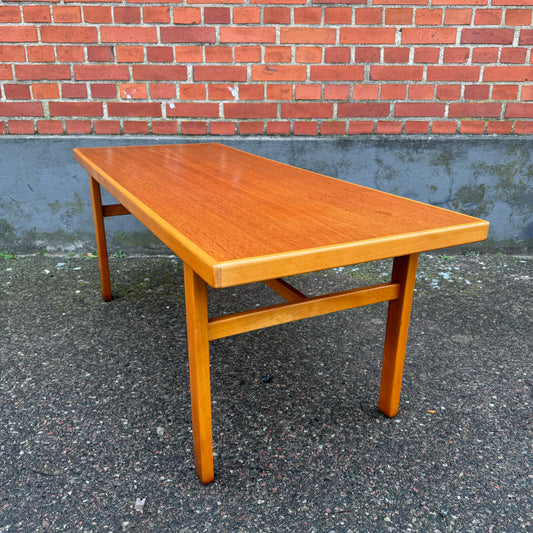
x=404 y=273
x=197 y=336
x=101 y=245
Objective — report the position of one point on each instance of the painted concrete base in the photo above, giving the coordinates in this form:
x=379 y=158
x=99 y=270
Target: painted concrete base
x=45 y=204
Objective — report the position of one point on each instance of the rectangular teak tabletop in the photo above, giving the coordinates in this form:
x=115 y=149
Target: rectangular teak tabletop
x=236 y=218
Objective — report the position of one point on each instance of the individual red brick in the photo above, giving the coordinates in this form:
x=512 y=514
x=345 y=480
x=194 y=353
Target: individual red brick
x=336 y=92
x=278 y=54
x=485 y=55
x=458 y=17
x=394 y=91
x=127 y=15
x=337 y=55
x=251 y=128
x=396 y=16
x=194 y=128
x=159 y=72
x=3 y=128
x=366 y=92
x=387 y=127
x=18 y=34
x=78 y=127
x=429 y=35
x=306 y=128
x=239 y=34
x=12 y=53
x=133 y=91
x=395 y=55
x=499 y=127
x=17 y=91
x=70 y=54
x=100 y=54
x=506 y=92
x=65 y=34
x=307 y=15
x=222 y=128
x=527 y=92
x=426 y=55
x=526 y=37
x=159 y=54
x=218 y=54
x=166 y=127
x=101 y=72
x=338 y=15
x=396 y=73
x=76 y=109
x=250 y=110
x=196 y=109
x=476 y=127
x=162 y=90
x=251 y=92
x=308 y=54
x=447 y=127
x=155 y=15
x=333 y=128
x=217 y=73
x=360 y=127
x=73 y=90
x=513 y=55
x=337 y=73
x=279 y=92
x=42 y=72
x=247 y=15
x=129 y=54
x=50 y=127
x=10 y=14
x=97 y=14
x=132 y=127
x=448 y=92
x=217 y=15
x=134 y=109
x=45 y=91
x=308 y=35
x=477 y=92
x=67 y=14
x=488 y=109
x=449 y=73
x=421 y=92
x=367 y=35
x=428 y=17
x=21 y=109
x=518 y=17
x=221 y=91
x=36 y=14
x=456 y=55
x=189 y=54
x=368 y=54
x=247 y=54
x=187 y=35
x=21 y=127
x=488 y=17
x=371 y=109
x=129 y=34
x=278 y=128
x=504 y=73
x=107 y=127
x=279 y=72
x=522 y=127
x=307 y=92
x=103 y=90
x=519 y=110
x=277 y=15
x=368 y=15
x=6 y=72
x=415 y=109
x=416 y=127
x=41 y=54
x=487 y=36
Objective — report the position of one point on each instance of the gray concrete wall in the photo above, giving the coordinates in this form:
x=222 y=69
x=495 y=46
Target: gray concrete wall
x=44 y=195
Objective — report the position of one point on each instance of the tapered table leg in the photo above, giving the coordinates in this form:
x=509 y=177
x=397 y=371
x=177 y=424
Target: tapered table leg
x=197 y=335
x=101 y=244
x=404 y=273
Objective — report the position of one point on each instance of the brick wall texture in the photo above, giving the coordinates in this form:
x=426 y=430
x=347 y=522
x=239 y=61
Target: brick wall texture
x=266 y=67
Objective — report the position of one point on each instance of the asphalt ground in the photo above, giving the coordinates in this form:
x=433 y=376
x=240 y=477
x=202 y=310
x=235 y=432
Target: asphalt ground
x=95 y=426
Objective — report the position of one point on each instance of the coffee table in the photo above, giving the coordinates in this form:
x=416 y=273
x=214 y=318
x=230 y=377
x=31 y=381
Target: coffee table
x=236 y=218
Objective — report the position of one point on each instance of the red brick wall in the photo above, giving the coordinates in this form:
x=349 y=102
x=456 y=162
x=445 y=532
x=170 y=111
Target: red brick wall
x=275 y=67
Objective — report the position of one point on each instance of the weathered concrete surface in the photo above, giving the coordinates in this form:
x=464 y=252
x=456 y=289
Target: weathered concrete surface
x=44 y=199
x=95 y=405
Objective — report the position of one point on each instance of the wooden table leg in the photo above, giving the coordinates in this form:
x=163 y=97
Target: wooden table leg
x=197 y=335
x=404 y=273
x=101 y=245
